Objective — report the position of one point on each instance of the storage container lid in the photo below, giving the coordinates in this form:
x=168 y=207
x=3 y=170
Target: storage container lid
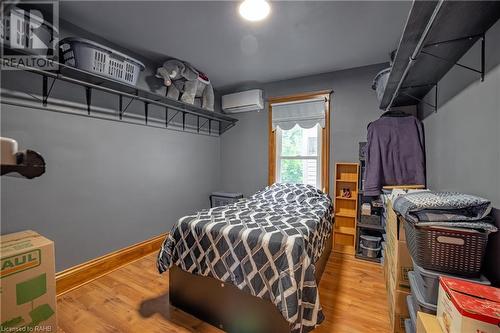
x=371 y=238
x=435 y=275
x=369 y=248
x=227 y=194
x=473 y=300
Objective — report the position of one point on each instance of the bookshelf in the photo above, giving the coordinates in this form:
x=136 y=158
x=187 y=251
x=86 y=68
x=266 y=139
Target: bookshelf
x=346 y=177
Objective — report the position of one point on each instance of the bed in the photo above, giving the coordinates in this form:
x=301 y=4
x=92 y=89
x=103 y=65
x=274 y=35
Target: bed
x=253 y=266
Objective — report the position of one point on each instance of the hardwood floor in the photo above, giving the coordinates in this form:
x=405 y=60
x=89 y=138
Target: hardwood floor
x=135 y=299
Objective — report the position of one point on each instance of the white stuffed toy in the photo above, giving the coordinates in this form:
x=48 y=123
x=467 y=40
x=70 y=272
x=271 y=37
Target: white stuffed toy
x=182 y=78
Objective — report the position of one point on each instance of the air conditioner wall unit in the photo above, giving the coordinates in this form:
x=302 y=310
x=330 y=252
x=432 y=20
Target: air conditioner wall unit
x=245 y=101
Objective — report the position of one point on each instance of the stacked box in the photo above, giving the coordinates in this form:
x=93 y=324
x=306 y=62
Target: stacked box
x=397 y=264
x=28 y=287
x=427 y=323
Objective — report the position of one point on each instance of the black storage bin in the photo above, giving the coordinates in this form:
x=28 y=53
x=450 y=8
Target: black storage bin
x=224 y=198
x=370 y=219
x=450 y=250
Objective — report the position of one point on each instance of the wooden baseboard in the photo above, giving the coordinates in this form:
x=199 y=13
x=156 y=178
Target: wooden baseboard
x=86 y=272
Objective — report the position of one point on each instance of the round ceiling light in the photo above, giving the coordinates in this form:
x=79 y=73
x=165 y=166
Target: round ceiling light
x=254 y=10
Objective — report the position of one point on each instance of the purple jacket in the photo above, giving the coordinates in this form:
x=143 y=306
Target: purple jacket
x=395 y=153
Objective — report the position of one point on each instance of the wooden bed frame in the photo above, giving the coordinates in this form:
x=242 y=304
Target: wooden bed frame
x=225 y=306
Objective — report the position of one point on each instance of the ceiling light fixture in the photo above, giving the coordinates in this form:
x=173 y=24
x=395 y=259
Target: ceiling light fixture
x=254 y=10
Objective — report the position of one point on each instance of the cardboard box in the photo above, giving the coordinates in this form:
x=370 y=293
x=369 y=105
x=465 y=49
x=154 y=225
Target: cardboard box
x=28 y=287
x=398 y=311
x=464 y=306
x=427 y=323
x=398 y=260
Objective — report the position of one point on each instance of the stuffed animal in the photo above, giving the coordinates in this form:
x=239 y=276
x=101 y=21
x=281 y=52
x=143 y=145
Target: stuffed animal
x=183 y=80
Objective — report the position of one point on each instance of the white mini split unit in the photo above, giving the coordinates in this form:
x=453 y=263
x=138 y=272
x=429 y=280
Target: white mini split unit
x=245 y=101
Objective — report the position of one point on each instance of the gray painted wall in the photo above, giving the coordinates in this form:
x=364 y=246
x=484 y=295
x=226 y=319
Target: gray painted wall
x=463 y=136
x=107 y=185
x=244 y=149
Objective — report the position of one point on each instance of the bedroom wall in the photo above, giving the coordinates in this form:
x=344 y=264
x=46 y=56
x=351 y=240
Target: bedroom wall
x=108 y=184
x=244 y=149
x=463 y=136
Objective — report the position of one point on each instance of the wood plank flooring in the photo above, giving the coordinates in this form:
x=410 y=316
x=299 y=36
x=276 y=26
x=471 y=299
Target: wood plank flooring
x=135 y=299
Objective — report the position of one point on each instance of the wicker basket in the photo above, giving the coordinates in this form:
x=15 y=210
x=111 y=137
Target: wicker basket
x=448 y=250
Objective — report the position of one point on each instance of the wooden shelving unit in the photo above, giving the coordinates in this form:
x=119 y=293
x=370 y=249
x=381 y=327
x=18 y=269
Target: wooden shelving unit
x=346 y=176
x=437 y=34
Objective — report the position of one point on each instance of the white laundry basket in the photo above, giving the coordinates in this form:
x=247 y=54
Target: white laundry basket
x=380 y=82
x=99 y=59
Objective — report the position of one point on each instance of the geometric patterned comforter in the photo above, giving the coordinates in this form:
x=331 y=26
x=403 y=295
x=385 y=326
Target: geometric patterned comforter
x=265 y=245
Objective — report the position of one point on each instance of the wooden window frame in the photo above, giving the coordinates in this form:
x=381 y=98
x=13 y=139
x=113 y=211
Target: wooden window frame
x=325 y=135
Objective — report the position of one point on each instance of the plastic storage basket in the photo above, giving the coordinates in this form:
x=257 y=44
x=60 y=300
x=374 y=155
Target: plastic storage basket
x=370 y=241
x=411 y=310
x=409 y=328
x=369 y=252
x=428 y=282
x=449 y=250
x=99 y=59
x=380 y=82
x=419 y=303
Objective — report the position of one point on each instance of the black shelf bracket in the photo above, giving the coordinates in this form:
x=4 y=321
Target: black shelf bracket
x=120 y=106
x=480 y=71
x=146 y=112
x=88 y=97
x=45 y=90
x=204 y=123
x=421 y=100
x=171 y=118
x=122 y=112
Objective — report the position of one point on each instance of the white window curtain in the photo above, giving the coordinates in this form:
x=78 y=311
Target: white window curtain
x=306 y=114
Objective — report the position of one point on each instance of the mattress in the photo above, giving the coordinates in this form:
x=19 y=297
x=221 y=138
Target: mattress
x=265 y=245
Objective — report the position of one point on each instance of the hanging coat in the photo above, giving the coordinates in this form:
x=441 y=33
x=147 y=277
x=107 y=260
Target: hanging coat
x=395 y=152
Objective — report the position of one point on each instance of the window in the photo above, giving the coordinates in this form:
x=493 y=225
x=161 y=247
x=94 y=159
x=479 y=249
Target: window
x=297 y=157
x=299 y=139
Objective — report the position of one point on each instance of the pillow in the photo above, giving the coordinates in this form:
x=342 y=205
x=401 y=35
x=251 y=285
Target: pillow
x=289 y=193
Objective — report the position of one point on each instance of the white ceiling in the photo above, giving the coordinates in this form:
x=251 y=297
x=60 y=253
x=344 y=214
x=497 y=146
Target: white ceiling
x=297 y=39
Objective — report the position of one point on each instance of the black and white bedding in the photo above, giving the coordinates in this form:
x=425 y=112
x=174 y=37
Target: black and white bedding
x=265 y=245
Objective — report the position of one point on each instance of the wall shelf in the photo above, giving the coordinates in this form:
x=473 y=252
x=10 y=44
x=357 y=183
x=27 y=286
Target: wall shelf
x=437 y=34
x=205 y=119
